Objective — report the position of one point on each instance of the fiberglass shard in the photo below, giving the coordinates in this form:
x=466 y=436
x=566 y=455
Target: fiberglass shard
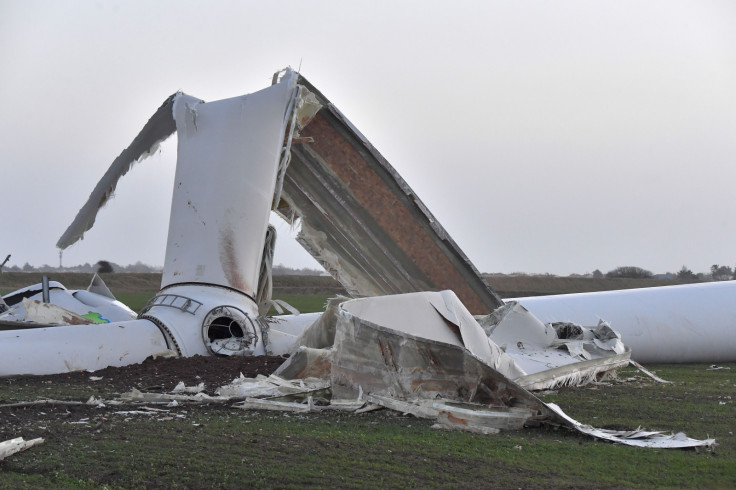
x=159 y=127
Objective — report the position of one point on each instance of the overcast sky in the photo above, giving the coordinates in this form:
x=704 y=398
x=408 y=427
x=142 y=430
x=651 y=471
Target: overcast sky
x=558 y=137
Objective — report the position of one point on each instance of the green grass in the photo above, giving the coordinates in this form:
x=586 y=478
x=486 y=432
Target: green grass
x=504 y=285
x=305 y=303
x=135 y=300
x=222 y=447
x=306 y=293
x=537 y=285
x=135 y=291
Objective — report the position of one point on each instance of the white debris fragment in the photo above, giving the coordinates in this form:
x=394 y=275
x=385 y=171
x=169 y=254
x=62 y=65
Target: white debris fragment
x=270 y=386
x=51 y=314
x=181 y=388
x=165 y=354
x=12 y=446
x=261 y=404
x=135 y=395
x=640 y=438
x=481 y=419
x=555 y=354
x=97 y=402
x=715 y=367
x=648 y=373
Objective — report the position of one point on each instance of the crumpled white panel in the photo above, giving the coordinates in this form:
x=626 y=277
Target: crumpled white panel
x=438 y=316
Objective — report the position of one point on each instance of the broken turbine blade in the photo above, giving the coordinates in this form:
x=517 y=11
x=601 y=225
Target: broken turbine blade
x=159 y=127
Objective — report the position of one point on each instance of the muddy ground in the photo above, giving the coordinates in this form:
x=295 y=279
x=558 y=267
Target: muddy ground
x=218 y=445
x=152 y=375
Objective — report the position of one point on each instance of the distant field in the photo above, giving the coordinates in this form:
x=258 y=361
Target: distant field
x=305 y=293
x=308 y=293
x=505 y=286
x=520 y=286
x=10 y=281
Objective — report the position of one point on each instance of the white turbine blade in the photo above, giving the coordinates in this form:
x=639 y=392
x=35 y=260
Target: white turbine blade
x=159 y=127
x=65 y=348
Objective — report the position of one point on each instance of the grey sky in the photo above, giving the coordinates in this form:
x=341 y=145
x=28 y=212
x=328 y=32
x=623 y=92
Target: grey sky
x=555 y=137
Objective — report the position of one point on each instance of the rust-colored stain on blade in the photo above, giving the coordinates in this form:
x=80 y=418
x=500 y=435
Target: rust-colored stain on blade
x=229 y=261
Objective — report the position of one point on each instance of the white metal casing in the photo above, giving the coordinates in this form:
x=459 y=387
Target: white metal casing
x=181 y=312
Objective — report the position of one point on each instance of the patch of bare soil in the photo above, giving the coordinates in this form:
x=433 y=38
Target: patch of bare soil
x=164 y=374
x=152 y=375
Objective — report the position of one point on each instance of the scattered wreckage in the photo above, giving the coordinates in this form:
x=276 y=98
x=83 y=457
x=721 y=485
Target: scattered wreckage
x=410 y=335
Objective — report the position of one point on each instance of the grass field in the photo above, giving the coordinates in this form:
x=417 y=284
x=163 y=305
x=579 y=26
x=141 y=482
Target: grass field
x=522 y=285
x=305 y=293
x=223 y=447
x=135 y=289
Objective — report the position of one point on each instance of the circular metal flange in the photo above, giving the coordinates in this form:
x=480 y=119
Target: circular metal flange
x=228 y=331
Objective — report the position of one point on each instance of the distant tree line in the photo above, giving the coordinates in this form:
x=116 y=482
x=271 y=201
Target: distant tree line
x=721 y=273
x=629 y=272
x=686 y=274
x=138 y=267
x=717 y=273
x=106 y=267
x=282 y=270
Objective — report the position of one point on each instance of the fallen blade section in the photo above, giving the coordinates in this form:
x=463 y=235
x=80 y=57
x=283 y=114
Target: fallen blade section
x=60 y=349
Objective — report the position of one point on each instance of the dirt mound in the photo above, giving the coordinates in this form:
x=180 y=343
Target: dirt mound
x=161 y=375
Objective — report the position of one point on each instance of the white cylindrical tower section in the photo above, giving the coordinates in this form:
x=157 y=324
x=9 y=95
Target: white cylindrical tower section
x=687 y=323
x=228 y=159
x=204 y=320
